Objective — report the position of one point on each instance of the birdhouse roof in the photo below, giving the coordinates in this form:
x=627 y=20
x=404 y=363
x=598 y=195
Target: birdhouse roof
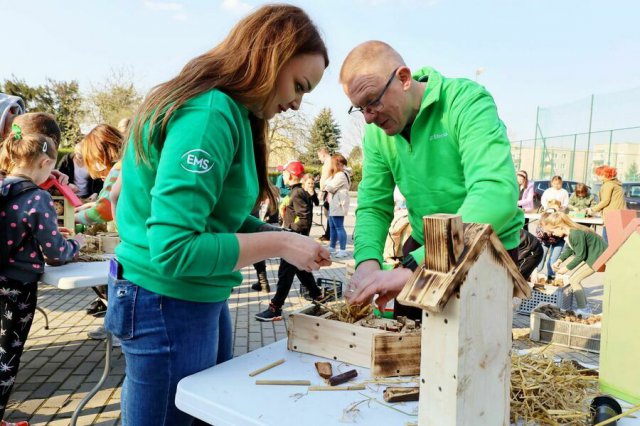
x=430 y=290
x=65 y=190
x=631 y=228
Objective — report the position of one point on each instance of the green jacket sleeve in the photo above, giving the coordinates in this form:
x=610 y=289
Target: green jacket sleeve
x=101 y=210
x=485 y=151
x=567 y=252
x=250 y=225
x=375 y=204
x=182 y=199
x=578 y=241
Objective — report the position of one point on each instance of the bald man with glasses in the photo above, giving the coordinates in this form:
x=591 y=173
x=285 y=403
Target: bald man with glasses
x=441 y=141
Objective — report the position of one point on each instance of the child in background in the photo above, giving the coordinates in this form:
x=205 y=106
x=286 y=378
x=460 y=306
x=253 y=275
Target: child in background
x=551 y=245
x=581 y=200
x=555 y=192
x=29 y=235
x=10 y=107
x=297 y=217
x=84 y=186
x=584 y=245
x=101 y=154
x=309 y=185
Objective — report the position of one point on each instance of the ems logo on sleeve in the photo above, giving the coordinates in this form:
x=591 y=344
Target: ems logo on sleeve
x=196 y=161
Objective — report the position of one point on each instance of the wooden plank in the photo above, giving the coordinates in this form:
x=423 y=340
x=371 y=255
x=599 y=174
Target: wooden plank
x=401 y=394
x=331 y=339
x=443 y=241
x=466 y=381
x=396 y=354
x=430 y=290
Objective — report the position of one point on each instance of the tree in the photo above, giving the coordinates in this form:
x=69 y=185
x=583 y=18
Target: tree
x=632 y=174
x=355 y=156
x=325 y=132
x=286 y=133
x=116 y=98
x=60 y=98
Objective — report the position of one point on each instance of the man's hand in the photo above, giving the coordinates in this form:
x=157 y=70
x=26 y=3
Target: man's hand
x=386 y=284
x=60 y=177
x=562 y=270
x=363 y=270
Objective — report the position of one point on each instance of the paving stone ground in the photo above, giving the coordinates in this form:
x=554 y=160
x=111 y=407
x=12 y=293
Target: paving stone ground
x=61 y=365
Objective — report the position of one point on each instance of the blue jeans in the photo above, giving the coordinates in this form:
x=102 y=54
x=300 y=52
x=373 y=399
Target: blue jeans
x=337 y=232
x=163 y=340
x=554 y=252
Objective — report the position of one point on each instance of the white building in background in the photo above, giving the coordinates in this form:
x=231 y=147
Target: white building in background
x=578 y=165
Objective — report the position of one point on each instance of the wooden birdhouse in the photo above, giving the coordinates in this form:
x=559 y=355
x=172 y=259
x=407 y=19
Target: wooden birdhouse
x=465 y=288
x=64 y=203
x=620 y=337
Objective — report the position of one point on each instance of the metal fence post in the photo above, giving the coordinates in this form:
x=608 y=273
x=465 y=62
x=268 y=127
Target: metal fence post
x=573 y=155
x=610 y=141
x=586 y=161
x=535 y=143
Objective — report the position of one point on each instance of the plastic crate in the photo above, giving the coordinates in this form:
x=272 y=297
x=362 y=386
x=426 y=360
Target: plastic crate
x=564 y=333
x=562 y=297
x=326 y=287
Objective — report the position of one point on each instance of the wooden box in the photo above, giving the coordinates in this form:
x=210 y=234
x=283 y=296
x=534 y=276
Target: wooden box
x=386 y=353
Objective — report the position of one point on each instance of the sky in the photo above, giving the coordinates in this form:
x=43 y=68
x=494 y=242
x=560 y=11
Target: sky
x=527 y=53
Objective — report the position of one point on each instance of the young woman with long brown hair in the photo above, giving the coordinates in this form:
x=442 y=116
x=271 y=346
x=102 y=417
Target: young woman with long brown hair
x=193 y=170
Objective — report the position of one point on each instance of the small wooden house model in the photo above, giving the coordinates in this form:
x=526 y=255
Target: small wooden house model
x=64 y=203
x=620 y=338
x=465 y=287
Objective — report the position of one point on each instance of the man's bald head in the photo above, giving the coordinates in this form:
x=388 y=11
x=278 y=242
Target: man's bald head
x=369 y=58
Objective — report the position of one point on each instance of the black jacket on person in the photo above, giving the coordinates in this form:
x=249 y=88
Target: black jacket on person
x=298 y=212
x=68 y=167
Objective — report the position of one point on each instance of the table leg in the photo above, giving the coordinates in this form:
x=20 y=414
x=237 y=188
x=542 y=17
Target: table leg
x=46 y=318
x=96 y=388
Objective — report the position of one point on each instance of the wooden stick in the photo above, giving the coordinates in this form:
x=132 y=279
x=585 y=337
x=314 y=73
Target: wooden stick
x=401 y=394
x=619 y=416
x=266 y=367
x=284 y=382
x=342 y=378
x=337 y=388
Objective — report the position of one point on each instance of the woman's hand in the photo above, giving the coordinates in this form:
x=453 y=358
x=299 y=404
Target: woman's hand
x=74 y=188
x=304 y=253
x=556 y=265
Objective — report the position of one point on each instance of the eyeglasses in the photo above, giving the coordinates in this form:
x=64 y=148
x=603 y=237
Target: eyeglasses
x=376 y=104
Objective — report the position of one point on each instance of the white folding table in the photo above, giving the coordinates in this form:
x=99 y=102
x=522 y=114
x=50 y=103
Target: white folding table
x=225 y=395
x=81 y=275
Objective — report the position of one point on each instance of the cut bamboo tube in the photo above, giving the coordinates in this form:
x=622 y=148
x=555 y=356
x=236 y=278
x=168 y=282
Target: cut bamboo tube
x=337 y=388
x=284 y=382
x=266 y=367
